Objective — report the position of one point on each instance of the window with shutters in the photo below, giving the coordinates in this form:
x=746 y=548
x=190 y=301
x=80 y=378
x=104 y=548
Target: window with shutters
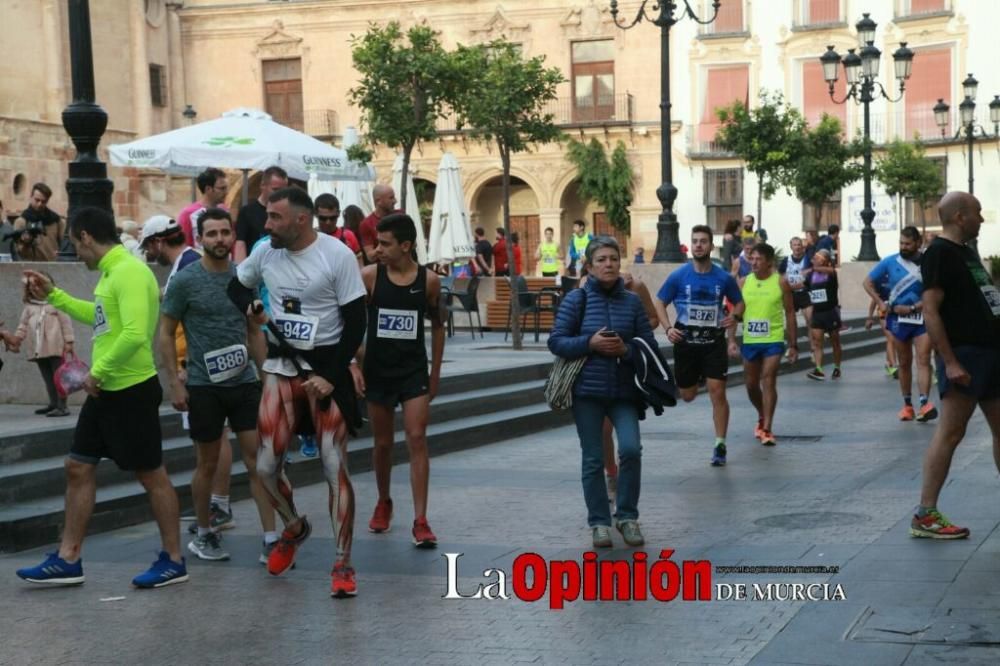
x=722 y=87
x=930 y=81
x=729 y=20
x=283 y=91
x=158 y=85
x=723 y=197
x=593 y=80
x=830 y=214
x=815 y=13
x=918 y=8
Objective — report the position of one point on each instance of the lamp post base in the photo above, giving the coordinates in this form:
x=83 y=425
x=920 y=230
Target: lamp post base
x=668 y=247
x=868 y=250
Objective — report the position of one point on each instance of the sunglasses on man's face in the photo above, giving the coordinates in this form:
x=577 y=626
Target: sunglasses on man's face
x=327 y=218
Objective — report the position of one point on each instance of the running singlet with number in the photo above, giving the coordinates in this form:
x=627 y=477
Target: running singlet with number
x=822 y=288
x=394 y=348
x=764 y=317
x=124 y=314
x=549 y=253
x=698 y=300
x=306 y=290
x=793 y=271
x=217 y=353
x=904 y=285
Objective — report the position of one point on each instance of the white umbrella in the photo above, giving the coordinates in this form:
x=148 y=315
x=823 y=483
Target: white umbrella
x=353 y=192
x=239 y=139
x=451 y=237
x=412 y=209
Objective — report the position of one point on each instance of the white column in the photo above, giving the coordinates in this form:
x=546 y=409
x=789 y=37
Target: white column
x=53 y=39
x=142 y=104
x=178 y=84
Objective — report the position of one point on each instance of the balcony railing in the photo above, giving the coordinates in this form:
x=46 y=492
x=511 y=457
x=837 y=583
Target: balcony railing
x=320 y=123
x=615 y=110
x=697 y=146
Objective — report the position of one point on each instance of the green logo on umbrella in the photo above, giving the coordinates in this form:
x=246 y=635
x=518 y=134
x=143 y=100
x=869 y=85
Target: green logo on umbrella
x=227 y=141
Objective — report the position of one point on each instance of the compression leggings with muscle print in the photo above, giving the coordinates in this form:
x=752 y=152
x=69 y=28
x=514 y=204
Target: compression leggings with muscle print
x=282 y=407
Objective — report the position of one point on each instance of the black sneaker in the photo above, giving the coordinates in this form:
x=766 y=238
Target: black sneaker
x=817 y=374
x=719 y=456
x=45 y=410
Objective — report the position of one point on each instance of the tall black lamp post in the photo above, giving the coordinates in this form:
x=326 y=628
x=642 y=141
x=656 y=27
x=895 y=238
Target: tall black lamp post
x=668 y=247
x=967 y=113
x=84 y=120
x=861 y=71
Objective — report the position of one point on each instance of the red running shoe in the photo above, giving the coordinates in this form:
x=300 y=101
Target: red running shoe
x=934 y=525
x=767 y=438
x=382 y=517
x=422 y=535
x=758 y=430
x=343 y=583
x=283 y=555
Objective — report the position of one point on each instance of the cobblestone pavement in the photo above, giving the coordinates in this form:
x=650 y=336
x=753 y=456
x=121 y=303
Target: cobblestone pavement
x=836 y=491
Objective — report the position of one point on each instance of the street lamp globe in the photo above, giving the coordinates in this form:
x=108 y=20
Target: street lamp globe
x=995 y=110
x=189 y=113
x=870 y=57
x=852 y=67
x=970 y=86
x=967 y=110
x=941 y=115
x=830 y=61
x=866 y=29
x=903 y=60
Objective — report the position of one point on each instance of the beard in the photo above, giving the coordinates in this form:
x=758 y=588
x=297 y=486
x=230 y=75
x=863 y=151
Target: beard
x=218 y=251
x=910 y=256
x=277 y=242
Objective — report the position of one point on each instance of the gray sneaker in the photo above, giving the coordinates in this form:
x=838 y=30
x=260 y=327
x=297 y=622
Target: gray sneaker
x=208 y=548
x=602 y=536
x=631 y=532
x=218 y=520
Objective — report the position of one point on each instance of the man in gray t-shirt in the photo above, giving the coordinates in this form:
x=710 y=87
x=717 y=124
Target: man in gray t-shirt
x=221 y=384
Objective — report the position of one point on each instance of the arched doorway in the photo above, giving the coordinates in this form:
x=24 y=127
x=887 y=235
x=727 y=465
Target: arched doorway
x=487 y=206
x=577 y=208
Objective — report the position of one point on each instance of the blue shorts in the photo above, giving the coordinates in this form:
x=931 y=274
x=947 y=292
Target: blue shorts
x=982 y=364
x=904 y=332
x=761 y=350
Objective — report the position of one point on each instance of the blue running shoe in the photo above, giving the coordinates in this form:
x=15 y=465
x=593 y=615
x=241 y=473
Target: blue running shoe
x=54 y=571
x=719 y=456
x=308 y=448
x=162 y=573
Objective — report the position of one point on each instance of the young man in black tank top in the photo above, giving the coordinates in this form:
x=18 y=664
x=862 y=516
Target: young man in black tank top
x=400 y=293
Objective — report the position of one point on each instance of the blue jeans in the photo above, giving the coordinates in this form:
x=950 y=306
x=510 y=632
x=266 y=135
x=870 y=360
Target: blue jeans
x=589 y=415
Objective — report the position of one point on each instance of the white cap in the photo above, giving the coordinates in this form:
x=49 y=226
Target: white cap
x=158 y=226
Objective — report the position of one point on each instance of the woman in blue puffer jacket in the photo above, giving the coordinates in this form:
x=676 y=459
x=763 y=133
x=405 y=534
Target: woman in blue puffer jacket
x=597 y=321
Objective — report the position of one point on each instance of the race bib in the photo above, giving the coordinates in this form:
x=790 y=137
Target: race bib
x=397 y=324
x=100 y=319
x=992 y=296
x=299 y=330
x=705 y=316
x=914 y=319
x=226 y=363
x=758 y=328
x=817 y=296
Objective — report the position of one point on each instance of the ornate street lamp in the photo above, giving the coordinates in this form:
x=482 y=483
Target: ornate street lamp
x=861 y=72
x=84 y=120
x=967 y=116
x=668 y=246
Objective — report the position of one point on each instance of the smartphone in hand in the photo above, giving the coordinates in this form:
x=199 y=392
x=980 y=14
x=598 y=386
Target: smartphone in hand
x=609 y=334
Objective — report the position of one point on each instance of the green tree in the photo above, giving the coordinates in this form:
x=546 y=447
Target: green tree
x=906 y=172
x=764 y=138
x=503 y=101
x=404 y=84
x=608 y=182
x=824 y=164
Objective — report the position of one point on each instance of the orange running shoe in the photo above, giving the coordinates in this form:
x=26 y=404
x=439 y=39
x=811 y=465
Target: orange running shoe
x=906 y=413
x=767 y=438
x=927 y=413
x=382 y=517
x=342 y=582
x=423 y=537
x=283 y=555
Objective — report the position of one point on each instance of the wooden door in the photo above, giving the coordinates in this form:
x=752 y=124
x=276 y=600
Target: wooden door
x=604 y=228
x=283 y=92
x=527 y=230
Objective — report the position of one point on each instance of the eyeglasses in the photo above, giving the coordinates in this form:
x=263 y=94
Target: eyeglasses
x=327 y=218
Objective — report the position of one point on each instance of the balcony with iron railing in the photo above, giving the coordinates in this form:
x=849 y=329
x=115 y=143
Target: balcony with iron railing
x=611 y=110
x=321 y=123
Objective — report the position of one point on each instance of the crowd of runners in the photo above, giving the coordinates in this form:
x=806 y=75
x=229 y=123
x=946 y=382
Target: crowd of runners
x=292 y=340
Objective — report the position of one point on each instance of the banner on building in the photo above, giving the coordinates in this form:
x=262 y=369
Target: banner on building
x=885 y=212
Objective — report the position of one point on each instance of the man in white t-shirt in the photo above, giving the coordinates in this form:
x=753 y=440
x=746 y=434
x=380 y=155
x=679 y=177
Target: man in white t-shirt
x=317 y=306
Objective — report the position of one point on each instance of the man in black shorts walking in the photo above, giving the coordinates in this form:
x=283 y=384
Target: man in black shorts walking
x=961 y=307
x=120 y=419
x=400 y=294
x=220 y=384
x=699 y=336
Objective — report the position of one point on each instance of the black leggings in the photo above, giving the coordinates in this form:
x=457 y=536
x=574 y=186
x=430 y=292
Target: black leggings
x=48 y=366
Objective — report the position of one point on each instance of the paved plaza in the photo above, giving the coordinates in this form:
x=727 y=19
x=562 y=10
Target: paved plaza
x=837 y=491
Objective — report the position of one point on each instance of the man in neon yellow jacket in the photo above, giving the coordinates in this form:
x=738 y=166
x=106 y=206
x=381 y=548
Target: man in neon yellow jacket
x=120 y=418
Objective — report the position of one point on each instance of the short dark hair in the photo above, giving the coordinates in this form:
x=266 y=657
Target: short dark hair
x=599 y=243
x=213 y=214
x=833 y=229
x=295 y=196
x=328 y=201
x=752 y=218
x=400 y=225
x=764 y=250
x=912 y=233
x=703 y=229
x=275 y=171
x=550 y=229
x=97 y=222
x=352 y=216
x=43 y=188
x=514 y=238
x=208 y=178
x=580 y=223
x=500 y=230
x=480 y=231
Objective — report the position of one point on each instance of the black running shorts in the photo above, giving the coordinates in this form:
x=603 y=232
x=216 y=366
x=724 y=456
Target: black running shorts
x=800 y=299
x=397 y=391
x=692 y=363
x=828 y=321
x=123 y=426
x=210 y=406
